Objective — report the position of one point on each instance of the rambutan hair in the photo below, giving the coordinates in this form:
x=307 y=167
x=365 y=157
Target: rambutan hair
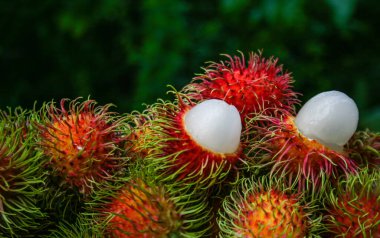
x=352 y=208
x=292 y=155
x=267 y=207
x=364 y=147
x=139 y=210
x=254 y=86
x=83 y=143
x=21 y=175
x=175 y=155
x=139 y=126
x=81 y=227
x=139 y=205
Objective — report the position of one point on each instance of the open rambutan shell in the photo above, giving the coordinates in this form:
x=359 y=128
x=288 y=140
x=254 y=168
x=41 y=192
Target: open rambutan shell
x=298 y=157
x=177 y=156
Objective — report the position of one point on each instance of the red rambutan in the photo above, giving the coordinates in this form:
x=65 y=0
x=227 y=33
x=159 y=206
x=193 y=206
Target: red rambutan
x=265 y=209
x=82 y=142
x=142 y=211
x=353 y=209
x=191 y=143
x=329 y=120
x=254 y=87
x=298 y=158
x=139 y=205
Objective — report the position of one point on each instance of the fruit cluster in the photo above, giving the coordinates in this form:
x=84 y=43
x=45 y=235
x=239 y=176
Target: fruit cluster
x=227 y=157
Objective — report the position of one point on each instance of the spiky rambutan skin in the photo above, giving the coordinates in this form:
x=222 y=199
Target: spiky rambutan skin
x=256 y=86
x=82 y=142
x=266 y=209
x=79 y=228
x=21 y=176
x=353 y=208
x=139 y=127
x=297 y=157
x=141 y=206
x=142 y=211
x=364 y=147
x=176 y=156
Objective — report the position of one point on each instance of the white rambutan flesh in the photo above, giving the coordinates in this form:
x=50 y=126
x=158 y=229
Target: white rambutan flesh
x=214 y=125
x=330 y=118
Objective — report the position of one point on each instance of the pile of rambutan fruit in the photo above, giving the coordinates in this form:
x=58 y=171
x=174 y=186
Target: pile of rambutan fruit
x=228 y=156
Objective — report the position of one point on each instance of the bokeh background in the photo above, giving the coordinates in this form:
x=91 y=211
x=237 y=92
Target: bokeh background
x=125 y=52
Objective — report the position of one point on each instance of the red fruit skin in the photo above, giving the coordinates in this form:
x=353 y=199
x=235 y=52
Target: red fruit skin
x=271 y=214
x=140 y=211
x=81 y=143
x=347 y=218
x=188 y=160
x=257 y=87
x=294 y=155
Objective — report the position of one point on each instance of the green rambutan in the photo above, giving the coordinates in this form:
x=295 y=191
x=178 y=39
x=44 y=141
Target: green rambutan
x=310 y=154
x=353 y=207
x=250 y=86
x=364 y=147
x=80 y=228
x=139 y=126
x=83 y=143
x=266 y=208
x=194 y=144
x=21 y=176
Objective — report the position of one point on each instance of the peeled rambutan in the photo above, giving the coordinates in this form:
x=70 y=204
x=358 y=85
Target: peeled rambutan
x=82 y=143
x=302 y=159
x=194 y=144
x=266 y=209
x=256 y=86
x=353 y=208
x=310 y=149
x=21 y=176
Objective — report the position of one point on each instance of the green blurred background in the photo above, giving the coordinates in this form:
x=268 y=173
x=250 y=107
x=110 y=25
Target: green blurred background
x=125 y=52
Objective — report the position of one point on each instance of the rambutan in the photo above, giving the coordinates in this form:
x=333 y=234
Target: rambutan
x=364 y=147
x=310 y=151
x=21 y=176
x=140 y=210
x=79 y=228
x=353 y=208
x=267 y=208
x=82 y=143
x=139 y=127
x=256 y=86
x=194 y=144
x=141 y=206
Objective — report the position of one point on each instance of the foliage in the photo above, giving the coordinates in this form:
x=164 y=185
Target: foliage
x=125 y=52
